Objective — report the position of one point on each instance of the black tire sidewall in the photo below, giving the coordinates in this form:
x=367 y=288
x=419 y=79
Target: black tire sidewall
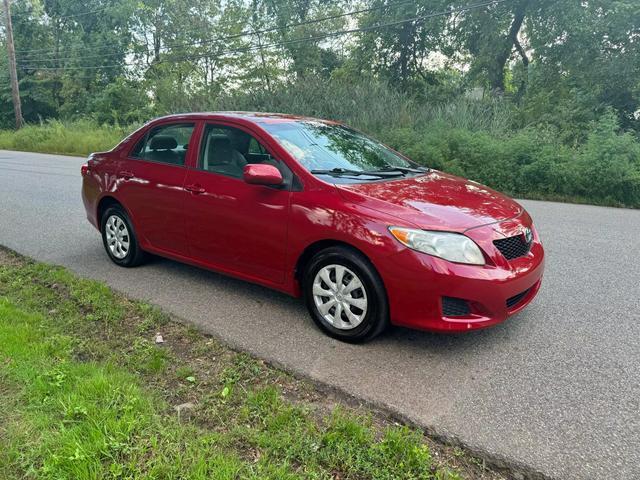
x=133 y=255
x=376 y=318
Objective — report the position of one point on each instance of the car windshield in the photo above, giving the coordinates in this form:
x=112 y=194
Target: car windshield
x=337 y=150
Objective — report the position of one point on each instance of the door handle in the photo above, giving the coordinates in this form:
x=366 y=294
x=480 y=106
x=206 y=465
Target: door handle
x=126 y=175
x=195 y=188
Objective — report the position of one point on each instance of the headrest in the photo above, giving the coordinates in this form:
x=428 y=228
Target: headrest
x=219 y=142
x=163 y=142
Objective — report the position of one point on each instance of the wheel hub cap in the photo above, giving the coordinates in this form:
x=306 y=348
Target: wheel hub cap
x=340 y=297
x=117 y=236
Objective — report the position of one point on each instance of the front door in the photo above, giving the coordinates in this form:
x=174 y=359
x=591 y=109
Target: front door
x=232 y=225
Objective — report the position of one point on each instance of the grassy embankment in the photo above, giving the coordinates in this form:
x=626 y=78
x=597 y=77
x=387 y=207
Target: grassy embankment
x=72 y=138
x=86 y=393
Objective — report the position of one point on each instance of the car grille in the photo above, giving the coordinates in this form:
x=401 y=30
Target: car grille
x=455 y=307
x=516 y=299
x=513 y=247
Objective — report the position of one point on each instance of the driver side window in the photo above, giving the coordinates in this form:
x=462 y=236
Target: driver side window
x=221 y=151
x=226 y=151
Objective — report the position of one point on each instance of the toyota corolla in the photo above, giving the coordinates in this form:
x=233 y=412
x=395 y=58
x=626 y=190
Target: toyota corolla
x=316 y=209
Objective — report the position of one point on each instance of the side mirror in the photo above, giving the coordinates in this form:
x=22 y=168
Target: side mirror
x=262 y=174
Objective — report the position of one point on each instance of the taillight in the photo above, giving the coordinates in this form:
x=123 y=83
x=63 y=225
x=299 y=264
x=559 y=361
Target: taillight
x=84 y=169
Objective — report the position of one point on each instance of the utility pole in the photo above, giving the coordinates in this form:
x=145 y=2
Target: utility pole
x=15 y=91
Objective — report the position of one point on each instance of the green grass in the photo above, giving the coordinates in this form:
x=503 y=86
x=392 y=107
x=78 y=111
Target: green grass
x=80 y=137
x=85 y=393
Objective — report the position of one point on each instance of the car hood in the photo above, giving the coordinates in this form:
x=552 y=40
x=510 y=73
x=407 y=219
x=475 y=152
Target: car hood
x=435 y=201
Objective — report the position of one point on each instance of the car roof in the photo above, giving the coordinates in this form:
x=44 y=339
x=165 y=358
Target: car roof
x=254 y=117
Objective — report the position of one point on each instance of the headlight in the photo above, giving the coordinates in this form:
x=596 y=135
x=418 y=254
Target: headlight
x=454 y=247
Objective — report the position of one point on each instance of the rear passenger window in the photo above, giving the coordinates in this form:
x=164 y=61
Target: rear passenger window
x=165 y=144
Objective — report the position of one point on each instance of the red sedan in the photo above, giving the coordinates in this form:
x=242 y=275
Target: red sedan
x=318 y=210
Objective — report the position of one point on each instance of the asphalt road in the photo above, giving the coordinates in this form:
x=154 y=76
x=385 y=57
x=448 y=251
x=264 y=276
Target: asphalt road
x=556 y=388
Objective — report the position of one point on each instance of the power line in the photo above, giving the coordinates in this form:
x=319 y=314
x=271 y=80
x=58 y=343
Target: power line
x=288 y=42
x=253 y=32
x=57 y=59
x=63 y=17
x=267 y=30
x=82 y=14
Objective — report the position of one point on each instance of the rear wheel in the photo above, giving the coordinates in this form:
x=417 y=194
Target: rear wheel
x=119 y=239
x=345 y=295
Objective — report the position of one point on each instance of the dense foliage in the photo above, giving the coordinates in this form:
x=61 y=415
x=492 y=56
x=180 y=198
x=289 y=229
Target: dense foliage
x=534 y=97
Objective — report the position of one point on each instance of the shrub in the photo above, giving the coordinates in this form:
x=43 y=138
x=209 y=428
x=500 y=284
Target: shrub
x=527 y=163
x=608 y=167
x=479 y=139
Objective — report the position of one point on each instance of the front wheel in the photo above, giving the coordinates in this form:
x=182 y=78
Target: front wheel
x=119 y=238
x=345 y=295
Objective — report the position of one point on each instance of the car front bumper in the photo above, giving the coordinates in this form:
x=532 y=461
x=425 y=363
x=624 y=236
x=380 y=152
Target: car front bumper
x=416 y=284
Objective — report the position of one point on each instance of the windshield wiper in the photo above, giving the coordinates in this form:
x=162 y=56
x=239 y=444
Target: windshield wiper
x=346 y=172
x=391 y=168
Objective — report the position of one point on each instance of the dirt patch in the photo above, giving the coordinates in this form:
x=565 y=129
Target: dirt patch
x=10 y=258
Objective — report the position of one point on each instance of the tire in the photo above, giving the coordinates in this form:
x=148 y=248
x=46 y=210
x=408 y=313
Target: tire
x=119 y=238
x=368 y=310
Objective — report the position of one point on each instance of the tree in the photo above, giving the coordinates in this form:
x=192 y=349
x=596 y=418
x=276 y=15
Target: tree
x=592 y=50
x=491 y=35
x=401 y=53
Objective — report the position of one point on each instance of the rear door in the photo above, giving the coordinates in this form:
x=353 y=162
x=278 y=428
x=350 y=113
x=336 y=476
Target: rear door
x=150 y=185
x=231 y=225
